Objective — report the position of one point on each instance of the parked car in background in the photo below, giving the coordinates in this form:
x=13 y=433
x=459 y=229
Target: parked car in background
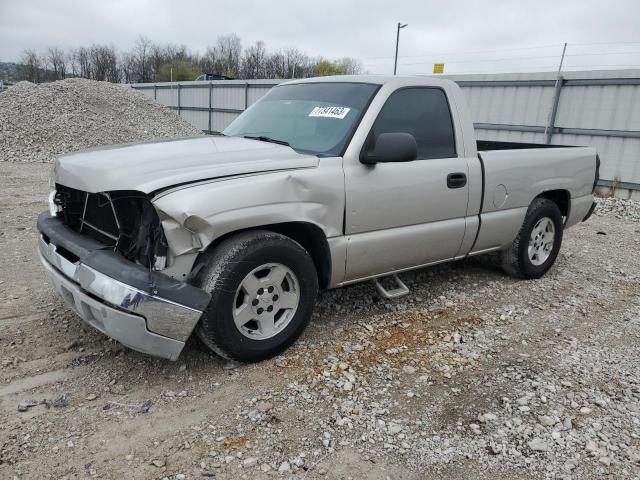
x=322 y=183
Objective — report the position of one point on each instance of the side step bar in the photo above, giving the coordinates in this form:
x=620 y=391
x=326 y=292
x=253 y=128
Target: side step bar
x=399 y=291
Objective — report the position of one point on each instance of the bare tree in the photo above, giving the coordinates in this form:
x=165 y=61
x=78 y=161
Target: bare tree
x=56 y=62
x=352 y=66
x=147 y=62
x=32 y=66
x=83 y=61
x=110 y=60
x=290 y=63
x=275 y=65
x=127 y=68
x=228 y=52
x=208 y=60
x=72 y=62
x=297 y=64
x=168 y=55
x=254 y=61
x=98 y=66
x=142 y=52
x=104 y=63
x=157 y=58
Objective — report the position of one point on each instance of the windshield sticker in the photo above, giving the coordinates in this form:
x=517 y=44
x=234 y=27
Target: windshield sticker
x=330 y=112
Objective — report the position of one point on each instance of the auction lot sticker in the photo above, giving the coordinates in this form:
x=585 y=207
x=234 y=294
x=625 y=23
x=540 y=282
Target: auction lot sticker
x=330 y=112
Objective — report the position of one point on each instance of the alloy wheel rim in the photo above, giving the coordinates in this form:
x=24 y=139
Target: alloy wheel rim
x=266 y=301
x=541 y=241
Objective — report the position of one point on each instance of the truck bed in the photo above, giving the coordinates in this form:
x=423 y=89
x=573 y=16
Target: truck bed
x=514 y=176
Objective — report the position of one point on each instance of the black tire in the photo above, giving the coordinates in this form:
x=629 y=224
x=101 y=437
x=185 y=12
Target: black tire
x=515 y=260
x=221 y=273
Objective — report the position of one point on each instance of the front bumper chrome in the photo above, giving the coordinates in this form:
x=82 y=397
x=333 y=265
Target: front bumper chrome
x=141 y=320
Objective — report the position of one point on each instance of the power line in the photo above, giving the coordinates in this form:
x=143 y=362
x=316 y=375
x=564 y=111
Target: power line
x=602 y=43
x=526 y=63
x=468 y=52
x=480 y=60
x=636 y=52
x=510 y=59
x=571 y=45
x=534 y=69
x=633 y=65
x=489 y=60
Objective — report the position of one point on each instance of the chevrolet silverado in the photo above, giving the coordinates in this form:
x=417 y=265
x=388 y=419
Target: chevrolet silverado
x=322 y=183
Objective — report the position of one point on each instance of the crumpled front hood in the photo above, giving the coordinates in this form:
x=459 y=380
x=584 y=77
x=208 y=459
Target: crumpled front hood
x=147 y=167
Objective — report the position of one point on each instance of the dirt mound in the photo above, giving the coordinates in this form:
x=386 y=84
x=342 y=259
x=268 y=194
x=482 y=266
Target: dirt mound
x=38 y=122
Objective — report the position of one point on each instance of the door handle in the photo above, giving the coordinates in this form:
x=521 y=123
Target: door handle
x=456 y=180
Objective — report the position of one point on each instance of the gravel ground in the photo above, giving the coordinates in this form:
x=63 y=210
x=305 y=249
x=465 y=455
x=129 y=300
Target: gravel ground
x=38 y=122
x=618 y=208
x=474 y=374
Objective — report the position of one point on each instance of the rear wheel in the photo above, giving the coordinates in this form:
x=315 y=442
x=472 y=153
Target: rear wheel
x=263 y=287
x=536 y=247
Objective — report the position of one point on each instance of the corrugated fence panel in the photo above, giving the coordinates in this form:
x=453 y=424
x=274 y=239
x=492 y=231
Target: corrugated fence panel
x=167 y=96
x=222 y=121
x=506 y=136
x=599 y=108
x=255 y=93
x=610 y=107
x=195 y=97
x=197 y=119
x=147 y=91
x=510 y=105
x=228 y=98
x=620 y=156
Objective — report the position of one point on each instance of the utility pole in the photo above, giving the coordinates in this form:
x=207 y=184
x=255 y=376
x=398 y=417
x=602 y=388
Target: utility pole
x=548 y=129
x=564 y=50
x=395 y=64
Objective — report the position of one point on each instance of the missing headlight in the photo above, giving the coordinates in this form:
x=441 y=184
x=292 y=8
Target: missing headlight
x=123 y=220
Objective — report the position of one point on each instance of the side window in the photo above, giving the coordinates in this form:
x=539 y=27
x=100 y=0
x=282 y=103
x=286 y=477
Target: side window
x=422 y=112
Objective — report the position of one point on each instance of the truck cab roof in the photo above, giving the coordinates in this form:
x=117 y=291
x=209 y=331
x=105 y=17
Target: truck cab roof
x=393 y=80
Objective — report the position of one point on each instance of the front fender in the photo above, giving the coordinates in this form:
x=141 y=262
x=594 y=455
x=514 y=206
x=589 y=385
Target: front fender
x=194 y=216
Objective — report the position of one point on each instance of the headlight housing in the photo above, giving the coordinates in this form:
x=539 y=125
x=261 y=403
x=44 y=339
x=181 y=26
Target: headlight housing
x=54 y=208
x=124 y=221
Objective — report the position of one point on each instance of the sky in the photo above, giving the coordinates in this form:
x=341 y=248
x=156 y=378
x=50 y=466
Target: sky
x=468 y=36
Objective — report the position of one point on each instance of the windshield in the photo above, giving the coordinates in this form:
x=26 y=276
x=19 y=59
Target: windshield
x=317 y=118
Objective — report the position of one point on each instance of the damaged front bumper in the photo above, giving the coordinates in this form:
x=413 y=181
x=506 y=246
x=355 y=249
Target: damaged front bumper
x=146 y=311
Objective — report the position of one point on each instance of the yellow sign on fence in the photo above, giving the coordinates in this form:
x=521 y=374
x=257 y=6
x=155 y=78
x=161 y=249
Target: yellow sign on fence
x=438 y=68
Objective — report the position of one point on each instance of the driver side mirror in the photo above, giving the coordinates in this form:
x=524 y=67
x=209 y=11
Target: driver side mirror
x=391 y=147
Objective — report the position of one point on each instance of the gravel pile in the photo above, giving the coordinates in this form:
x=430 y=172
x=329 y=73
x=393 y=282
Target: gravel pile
x=618 y=208
x=39 y=122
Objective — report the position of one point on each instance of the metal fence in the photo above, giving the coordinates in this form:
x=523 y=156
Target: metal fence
x=596 y=108
x=211 y=105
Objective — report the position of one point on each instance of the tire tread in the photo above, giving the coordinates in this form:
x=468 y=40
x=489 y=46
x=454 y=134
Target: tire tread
x=213 y=275
x=511 y=258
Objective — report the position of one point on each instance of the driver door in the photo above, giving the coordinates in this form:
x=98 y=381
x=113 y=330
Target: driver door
x=406 y=214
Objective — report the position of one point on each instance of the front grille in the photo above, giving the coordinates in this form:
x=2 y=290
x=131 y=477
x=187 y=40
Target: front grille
x=124 y=221
x=90 y=213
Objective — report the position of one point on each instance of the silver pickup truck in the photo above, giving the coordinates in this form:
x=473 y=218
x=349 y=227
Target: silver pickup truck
x=322 y=183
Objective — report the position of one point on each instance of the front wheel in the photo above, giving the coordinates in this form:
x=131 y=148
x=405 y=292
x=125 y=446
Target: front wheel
x=536 y=247
x=263 y=287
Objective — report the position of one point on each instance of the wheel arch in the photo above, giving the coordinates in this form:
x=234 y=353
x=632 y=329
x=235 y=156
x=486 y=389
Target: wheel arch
x=561 y=197
x=310 y=236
